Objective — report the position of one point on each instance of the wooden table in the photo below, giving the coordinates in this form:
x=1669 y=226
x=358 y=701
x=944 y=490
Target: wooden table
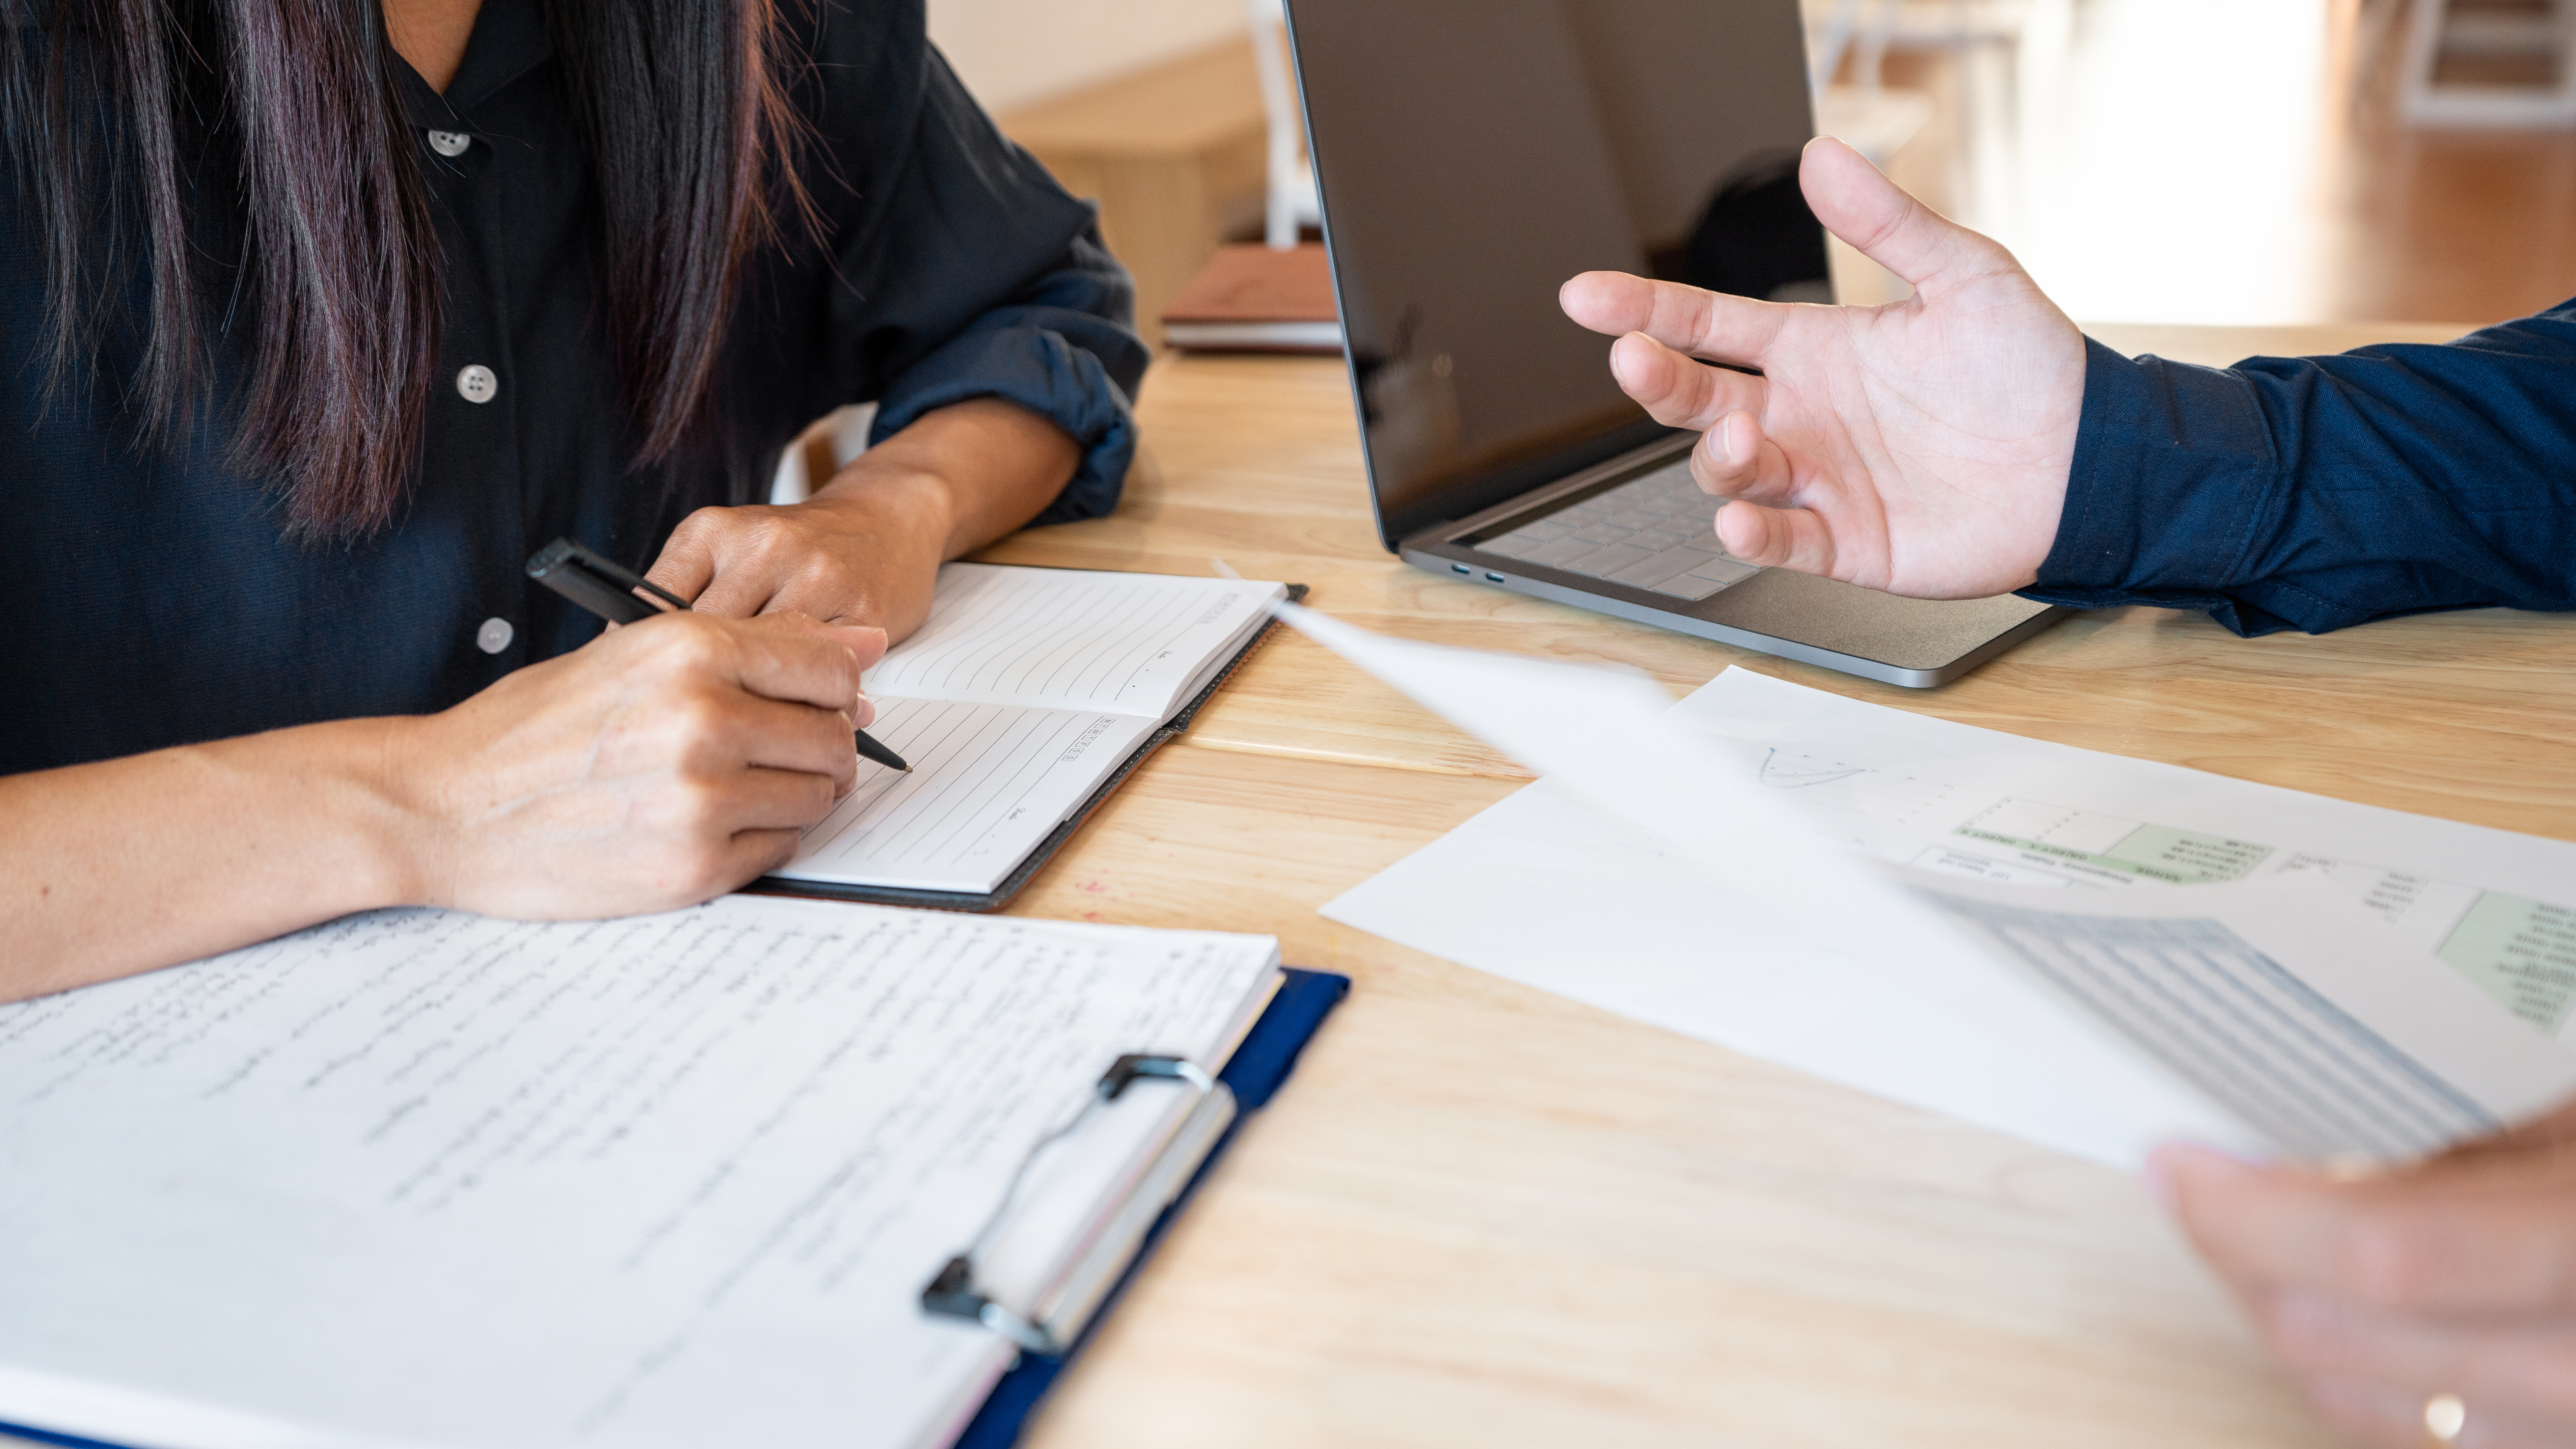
x=1483 y=1215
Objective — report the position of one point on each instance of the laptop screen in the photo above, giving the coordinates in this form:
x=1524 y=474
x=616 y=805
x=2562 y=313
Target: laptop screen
x=1473 y=154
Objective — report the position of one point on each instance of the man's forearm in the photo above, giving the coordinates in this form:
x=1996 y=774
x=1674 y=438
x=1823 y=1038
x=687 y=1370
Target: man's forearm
x=127 y=865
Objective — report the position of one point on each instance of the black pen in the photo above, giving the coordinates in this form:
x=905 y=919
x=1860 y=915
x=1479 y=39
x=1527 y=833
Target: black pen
x=608 y=590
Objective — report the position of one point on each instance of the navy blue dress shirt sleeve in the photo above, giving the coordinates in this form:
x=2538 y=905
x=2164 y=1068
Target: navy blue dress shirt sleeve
x=2320 y=492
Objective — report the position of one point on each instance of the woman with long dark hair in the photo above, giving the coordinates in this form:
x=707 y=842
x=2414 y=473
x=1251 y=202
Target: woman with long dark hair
x=316 y=319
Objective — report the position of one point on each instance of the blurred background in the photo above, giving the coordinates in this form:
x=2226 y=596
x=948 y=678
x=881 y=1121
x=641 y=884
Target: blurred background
x=2209 y=161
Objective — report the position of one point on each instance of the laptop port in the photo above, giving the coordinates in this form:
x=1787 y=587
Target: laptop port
x=1494 y=578
x=1460 y=569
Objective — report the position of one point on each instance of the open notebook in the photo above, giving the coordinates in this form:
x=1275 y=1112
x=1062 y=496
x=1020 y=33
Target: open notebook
x=1023 y=694
x=422 y=1178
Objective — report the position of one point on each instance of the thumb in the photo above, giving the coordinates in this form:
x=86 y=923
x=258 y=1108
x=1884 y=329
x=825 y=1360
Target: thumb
x=865 y=640
x=1857 y=202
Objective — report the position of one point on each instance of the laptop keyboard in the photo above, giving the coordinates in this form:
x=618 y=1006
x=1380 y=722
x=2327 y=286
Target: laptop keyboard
x=1651 y=533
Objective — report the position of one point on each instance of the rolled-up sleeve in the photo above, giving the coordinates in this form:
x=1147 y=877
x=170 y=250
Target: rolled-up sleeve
x=1063 y=349
x=2321 y=492
x=965 y=271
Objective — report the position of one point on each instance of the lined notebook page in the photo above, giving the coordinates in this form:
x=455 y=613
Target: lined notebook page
x=1022 y=692
x=423 y=1178
x=1069 y=639
x=988 y=782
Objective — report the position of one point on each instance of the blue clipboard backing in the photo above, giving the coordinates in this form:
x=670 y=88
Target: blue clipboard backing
x=1260 y=1065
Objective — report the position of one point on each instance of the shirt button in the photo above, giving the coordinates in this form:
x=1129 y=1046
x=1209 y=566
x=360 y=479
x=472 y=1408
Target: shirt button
x=494 y=636
x=476 y=384
x=449 y=143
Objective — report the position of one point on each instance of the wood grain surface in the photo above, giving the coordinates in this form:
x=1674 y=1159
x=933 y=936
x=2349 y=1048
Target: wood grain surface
x=1482 y=1214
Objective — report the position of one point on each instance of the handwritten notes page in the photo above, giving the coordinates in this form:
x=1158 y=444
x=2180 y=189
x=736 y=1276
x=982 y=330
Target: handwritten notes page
x=424 y=1178
x=1022 y=692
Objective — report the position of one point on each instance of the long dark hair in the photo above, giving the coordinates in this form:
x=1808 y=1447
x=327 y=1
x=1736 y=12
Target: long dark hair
x=129 y=119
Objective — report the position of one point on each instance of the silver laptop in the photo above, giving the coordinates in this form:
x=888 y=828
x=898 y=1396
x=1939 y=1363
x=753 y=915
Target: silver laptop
x=1472 y=155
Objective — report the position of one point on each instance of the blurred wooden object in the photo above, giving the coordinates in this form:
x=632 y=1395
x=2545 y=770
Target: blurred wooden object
x=2534 y=37
x=1485 y=1215
x=1176 y=155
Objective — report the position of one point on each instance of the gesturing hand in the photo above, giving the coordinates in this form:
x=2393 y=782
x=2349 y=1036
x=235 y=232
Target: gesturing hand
x=1920 y=447
x=2457 y=1278
x=662 y=763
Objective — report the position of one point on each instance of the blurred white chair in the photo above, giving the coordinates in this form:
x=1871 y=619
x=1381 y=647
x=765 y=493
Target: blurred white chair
x=1293 y=203
x=2434 y=29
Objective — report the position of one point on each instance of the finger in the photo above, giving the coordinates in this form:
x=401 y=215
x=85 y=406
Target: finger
x=1858 y=203
x=2448 y=1241
x=784 y=657
x=748 y=582
x=2510 y=1373
x=1733 y=460
x=1677 y=391
x=751 y=854
x=747 y=732
x=1688 y=319
x=688 y=560
x=762 y=799
x=1790 y=538
x=866 y=642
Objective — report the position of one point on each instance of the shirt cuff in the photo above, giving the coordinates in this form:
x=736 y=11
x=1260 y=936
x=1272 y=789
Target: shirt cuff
x=1013 y=355
x=2174 y=472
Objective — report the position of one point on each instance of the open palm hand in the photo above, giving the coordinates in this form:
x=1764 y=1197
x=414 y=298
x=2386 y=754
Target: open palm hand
x=1921 y=447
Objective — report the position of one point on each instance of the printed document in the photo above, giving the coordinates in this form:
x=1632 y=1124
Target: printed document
x=1687 y=877
x=424 y=1178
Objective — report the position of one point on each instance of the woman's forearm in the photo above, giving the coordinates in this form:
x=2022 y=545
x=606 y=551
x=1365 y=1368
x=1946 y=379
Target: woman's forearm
x=991 y=465
x=653 y=768
x=127 y=865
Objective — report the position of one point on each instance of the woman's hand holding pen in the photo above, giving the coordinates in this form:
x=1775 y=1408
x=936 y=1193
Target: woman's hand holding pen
x=866 y=548
x=664 y=763
x=2453 y=1280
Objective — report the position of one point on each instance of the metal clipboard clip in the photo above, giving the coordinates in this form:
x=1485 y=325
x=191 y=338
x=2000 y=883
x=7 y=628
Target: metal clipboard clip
x=1058 y=1317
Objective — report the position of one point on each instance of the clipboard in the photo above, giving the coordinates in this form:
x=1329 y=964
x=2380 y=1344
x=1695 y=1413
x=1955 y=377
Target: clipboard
x=1267 y=1055
x=1260 y=1064
x=1011 y=885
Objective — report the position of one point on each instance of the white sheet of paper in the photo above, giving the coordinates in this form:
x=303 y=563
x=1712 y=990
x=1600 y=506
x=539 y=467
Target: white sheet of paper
x=2500 y=908
x=1547 y=891
x=1023 y=690
x=1740 y=885
x=418 y=1177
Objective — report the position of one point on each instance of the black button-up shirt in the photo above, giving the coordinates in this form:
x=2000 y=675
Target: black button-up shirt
x=153 y=597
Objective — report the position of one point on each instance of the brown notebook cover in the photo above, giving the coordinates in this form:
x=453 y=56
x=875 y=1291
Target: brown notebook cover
x=1252 y=299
